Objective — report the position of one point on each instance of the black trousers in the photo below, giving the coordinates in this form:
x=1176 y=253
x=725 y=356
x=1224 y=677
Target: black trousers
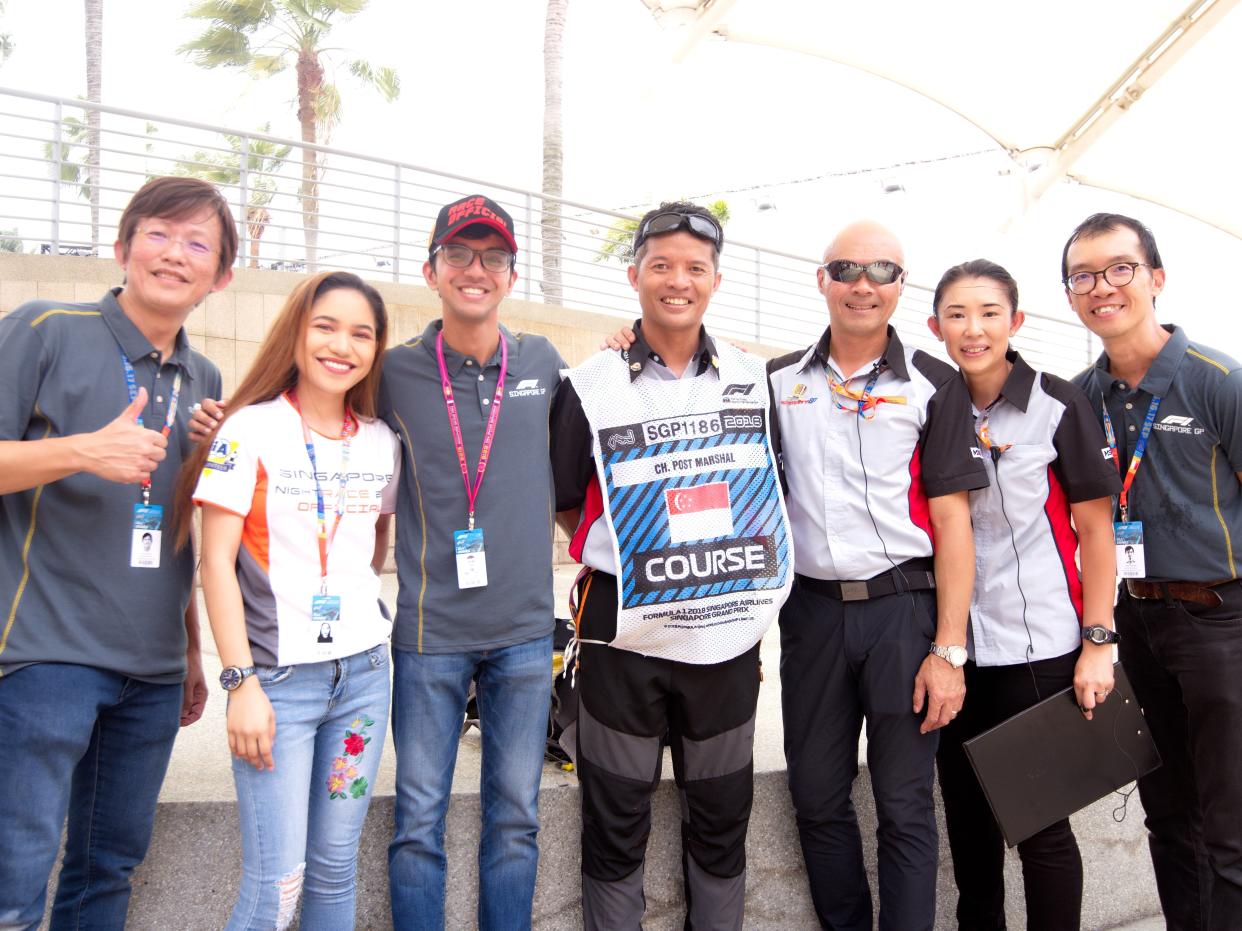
x=1051 y=863
x=629 y=705
x=1185 y=663
x=841 y=662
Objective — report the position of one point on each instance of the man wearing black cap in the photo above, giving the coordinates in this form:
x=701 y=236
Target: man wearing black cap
x=666 y=480
x=470 y=402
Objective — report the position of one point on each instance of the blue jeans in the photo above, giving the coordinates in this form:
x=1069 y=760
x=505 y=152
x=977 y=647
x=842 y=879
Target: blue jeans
x=301 y=822
x=429 y=702
x=94 y=746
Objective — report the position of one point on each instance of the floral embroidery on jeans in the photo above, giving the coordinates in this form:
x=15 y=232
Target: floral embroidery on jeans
x=344 y=781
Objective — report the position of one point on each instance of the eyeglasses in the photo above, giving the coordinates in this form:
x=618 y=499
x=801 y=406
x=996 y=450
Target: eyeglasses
x=877 y=272
x=1119 y=274
x=459 y=256
x=698 y=224
x=160 y=239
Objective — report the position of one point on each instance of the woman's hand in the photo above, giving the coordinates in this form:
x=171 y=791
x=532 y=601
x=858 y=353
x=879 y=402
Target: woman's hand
x=251 y=725
x=1093 y=676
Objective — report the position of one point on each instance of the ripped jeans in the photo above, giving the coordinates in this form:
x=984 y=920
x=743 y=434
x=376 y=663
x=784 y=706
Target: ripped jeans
x=301 y=822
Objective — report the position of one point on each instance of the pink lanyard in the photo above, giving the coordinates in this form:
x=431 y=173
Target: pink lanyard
x=472 y=494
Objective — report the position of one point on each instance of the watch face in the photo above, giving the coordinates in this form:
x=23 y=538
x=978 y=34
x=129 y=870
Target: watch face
x=230 y=677
x=957 y=656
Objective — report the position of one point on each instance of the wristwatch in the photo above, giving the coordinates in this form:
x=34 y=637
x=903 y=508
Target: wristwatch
x=231 y=677
x=1098 y=633
x=955 y=656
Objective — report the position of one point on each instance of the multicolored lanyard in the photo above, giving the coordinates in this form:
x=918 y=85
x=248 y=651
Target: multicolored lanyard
x=325 y=537
x=865 y=403
x=1139 y=448
x=131 y=385
x=472 y=494
x=985 y=435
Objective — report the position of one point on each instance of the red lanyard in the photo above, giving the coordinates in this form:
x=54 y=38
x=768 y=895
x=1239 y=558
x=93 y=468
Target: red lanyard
x=472 y=494
x=324 y=536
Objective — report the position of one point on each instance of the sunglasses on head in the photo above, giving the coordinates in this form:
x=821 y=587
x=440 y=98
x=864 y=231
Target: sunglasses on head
x=877 y=272
x=698 y=224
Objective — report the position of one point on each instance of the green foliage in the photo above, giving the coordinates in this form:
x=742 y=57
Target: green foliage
x=619 y=241
x=6 y=41
x=9 y=241
x=263 y=160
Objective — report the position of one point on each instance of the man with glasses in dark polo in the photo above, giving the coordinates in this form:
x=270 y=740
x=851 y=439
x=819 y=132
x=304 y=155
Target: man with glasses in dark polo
x=878 y=449
x=1172 y=410
x=666 y=481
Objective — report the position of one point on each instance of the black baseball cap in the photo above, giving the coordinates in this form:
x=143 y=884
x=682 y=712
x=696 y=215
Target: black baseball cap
x=474 y=209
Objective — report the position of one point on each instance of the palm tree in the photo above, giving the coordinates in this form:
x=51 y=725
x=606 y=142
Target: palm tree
x=553 y=151
x=94 y=84
x=262 y=160
x=265 y=37
x=619 y=241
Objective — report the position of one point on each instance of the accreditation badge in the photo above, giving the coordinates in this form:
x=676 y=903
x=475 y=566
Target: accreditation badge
x=144 y=547
x=1128 y=539
x=325 y=617
x=471 y=558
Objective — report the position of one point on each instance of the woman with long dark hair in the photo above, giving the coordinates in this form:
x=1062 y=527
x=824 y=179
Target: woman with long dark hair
x=297 y=484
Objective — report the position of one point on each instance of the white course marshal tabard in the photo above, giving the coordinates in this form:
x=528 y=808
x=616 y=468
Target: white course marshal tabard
x=693 y=506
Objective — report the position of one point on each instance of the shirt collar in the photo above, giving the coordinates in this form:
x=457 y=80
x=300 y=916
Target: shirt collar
x=1159 y=377
x=1019 y=383
x=640 y=354
x=133 y=343
x=894 y=356
x=454 y=361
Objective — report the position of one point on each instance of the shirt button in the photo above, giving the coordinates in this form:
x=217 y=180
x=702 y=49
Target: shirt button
x=155 y=355
x=480 y=378
x=1131 y=428
x=1123 y=386
x=1129 y=406
x=469 y=362
x=487 y=401
x=159 y=399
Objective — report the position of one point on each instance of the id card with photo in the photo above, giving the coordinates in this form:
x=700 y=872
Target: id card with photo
x=1128 y=539
x=144 y=547
x=471 y=558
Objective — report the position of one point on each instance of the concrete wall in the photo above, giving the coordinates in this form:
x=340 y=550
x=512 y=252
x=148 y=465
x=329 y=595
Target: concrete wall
x=229 y=325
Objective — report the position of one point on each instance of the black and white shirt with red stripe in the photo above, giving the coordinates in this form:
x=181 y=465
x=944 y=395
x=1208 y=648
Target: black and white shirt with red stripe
x=1045 y=451
x=857 y=486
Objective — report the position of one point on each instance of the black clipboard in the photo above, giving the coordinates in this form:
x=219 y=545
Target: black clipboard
x=1047 y=762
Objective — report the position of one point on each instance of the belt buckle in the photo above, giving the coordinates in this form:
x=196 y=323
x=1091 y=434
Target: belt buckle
x=854 y=591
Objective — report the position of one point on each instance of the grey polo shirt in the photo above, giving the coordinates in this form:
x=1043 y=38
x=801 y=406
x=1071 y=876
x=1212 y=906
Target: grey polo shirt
x=1185 y=491
x=857 y=487
x=514 y=507
x=67 y=592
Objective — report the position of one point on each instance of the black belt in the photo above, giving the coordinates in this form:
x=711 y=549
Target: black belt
x=914 y=575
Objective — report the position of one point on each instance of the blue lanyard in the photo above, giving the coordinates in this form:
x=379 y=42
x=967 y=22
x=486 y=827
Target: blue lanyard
x=1139 y=448
x=131 y=385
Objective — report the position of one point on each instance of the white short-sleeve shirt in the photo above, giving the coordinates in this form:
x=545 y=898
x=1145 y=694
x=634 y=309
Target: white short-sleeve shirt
x=259 y=469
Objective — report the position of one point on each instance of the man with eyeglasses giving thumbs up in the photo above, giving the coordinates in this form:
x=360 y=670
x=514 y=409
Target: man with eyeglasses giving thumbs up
x=878 y=450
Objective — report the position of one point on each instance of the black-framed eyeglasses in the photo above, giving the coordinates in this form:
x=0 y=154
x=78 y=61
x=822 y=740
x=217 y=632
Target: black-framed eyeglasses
x=696 y=223
x=459 y=256
x=1119 y=274
x=876 y=272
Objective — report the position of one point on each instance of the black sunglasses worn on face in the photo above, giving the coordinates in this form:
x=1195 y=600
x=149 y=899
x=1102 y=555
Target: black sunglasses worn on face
x=459 y=256
x=876 y=272
x=698 y=224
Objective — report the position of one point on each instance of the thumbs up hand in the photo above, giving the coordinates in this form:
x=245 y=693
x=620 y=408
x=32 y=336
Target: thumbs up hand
x=123 y=451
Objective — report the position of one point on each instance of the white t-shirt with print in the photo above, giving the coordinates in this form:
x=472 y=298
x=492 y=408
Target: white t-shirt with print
x=259 y=469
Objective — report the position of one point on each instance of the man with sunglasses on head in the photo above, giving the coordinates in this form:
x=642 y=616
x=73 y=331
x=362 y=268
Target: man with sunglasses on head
x=99 y=637
x=470 y=401
x=878 y=454
x=1172 y=410
x=666 y=482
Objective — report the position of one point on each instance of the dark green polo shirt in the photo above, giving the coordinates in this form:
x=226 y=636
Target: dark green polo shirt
x=67 y=592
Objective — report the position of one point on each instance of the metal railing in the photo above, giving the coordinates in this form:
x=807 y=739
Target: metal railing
x=374 y=216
